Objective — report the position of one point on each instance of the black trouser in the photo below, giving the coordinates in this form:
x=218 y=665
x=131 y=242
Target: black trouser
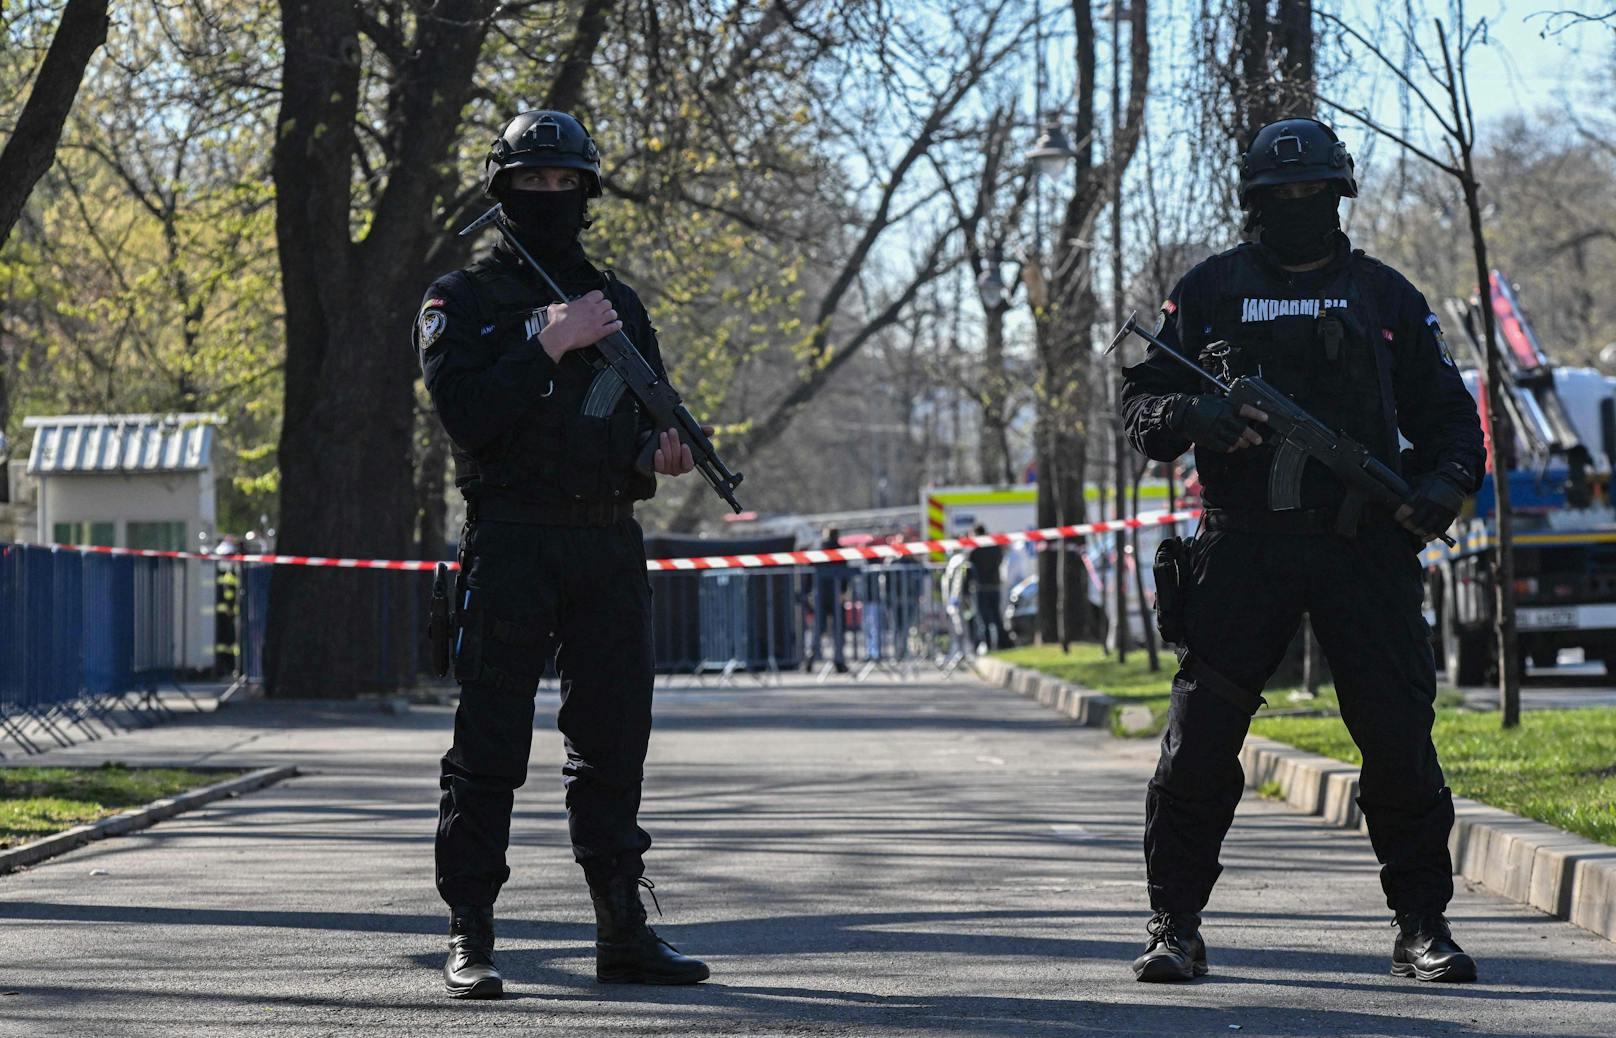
x=1247 y=598
x=828 y=616
x=990 y=615
x=579 y=595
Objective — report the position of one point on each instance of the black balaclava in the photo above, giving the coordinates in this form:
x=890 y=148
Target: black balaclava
x=547 y=222
x=1300 y=230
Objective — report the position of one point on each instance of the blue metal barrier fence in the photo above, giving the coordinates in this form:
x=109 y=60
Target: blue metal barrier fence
x=79 y=635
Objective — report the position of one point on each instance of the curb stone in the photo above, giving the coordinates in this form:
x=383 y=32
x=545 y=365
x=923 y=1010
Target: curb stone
x=139 y=818
x=1088 y=708
x=1530 y=862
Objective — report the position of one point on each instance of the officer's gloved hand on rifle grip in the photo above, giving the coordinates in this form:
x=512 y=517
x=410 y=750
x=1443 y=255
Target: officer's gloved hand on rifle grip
x=1211 y=422
x=1433 y=505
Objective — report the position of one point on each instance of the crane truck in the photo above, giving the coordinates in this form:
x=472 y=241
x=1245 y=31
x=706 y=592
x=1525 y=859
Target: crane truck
x=1563 y=525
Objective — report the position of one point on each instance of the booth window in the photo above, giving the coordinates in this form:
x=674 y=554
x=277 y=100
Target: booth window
x=165 y=536
x=100 y=535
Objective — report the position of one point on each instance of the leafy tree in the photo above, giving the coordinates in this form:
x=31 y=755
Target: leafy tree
x=142 y=277
x=31 y=141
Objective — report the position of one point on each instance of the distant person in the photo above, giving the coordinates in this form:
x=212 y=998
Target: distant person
x=829 y=579
x=986 y=562
x=552 y=559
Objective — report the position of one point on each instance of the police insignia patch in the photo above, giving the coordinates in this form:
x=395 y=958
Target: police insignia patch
x=432 y=324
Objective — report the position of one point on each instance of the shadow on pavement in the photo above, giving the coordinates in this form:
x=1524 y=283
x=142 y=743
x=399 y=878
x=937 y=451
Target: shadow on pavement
x=925 y=933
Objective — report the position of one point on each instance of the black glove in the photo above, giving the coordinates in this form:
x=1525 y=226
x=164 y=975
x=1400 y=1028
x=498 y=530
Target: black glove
x=1210 y=421
x=1433 y=505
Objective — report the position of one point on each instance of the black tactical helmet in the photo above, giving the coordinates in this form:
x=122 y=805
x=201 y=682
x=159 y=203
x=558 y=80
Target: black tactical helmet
x=1292 y=150
x=543 y=138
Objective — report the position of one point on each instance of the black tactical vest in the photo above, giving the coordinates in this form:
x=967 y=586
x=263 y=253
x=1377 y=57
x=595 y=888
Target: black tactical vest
x=580 y=441
x=1320 y=339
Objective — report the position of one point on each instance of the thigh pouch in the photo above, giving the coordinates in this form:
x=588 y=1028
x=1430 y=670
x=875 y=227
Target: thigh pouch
x=493 y=650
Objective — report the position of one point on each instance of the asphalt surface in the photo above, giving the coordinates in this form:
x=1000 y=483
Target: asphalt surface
x=860 y=860
x=1569 y=686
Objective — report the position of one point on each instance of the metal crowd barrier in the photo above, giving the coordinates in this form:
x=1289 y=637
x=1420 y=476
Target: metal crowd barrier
x=252 y=621
x=860 y=618
x=890 y=617
x=83 y=637
x=749 y=620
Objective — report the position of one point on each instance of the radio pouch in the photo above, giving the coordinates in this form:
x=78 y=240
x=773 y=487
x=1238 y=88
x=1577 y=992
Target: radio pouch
x=1173 y=579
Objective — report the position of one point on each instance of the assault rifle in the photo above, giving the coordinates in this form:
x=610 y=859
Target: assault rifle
x=660 y=400
x=1300 y=436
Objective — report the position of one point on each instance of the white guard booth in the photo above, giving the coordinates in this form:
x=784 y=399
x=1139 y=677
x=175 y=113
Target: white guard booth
x=134 y=481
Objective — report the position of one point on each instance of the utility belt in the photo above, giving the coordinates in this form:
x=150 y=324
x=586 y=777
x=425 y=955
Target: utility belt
x=1175 y=562
x=1262 y=520
x=1291 y=521
x=1175 y=556
x=549 y=513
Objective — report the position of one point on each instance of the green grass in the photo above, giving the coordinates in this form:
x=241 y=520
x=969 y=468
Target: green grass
x=1088 y=665
x=1558 y=767
x=36 y=802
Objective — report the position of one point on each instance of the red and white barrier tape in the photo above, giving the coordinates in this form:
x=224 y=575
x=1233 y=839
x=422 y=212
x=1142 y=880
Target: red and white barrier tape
x=814 y=556
x=278 y=560
x=891 y=551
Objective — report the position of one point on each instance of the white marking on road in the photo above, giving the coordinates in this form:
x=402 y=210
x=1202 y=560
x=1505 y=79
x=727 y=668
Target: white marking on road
x=1073 y=832
x=984 y=759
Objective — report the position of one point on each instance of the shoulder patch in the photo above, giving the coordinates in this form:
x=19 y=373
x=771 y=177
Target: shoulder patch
x=1441 y=340
x=435 y=303
x=430 y=326
x=1168 y=309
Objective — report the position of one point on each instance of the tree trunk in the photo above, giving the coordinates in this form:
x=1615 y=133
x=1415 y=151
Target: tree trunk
x=1071 y=461
x=1296 y=38
x=1118 y=446
x=431 y=505
x=31 y=148
x=1311 y=671
x=347 y=485
x=1050 y=553
x=1147 y=622
x=1274 y=58
x=1499 y=434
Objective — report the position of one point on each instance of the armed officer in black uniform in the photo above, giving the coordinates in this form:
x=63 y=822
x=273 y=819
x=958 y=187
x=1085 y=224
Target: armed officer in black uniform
x=551 y=455
x=1354 y=343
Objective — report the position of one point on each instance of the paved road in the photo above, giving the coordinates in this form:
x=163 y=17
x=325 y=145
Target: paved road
x=866 y=861
x=1565 y=687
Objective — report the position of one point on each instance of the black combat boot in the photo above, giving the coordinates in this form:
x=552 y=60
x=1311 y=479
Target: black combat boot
x=1425 y=949
x=470 y=971
x=1175 y=950
x=626 y=950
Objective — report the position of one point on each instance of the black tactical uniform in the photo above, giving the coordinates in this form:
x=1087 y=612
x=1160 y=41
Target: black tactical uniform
x=1357 y=345
x=552 y=569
